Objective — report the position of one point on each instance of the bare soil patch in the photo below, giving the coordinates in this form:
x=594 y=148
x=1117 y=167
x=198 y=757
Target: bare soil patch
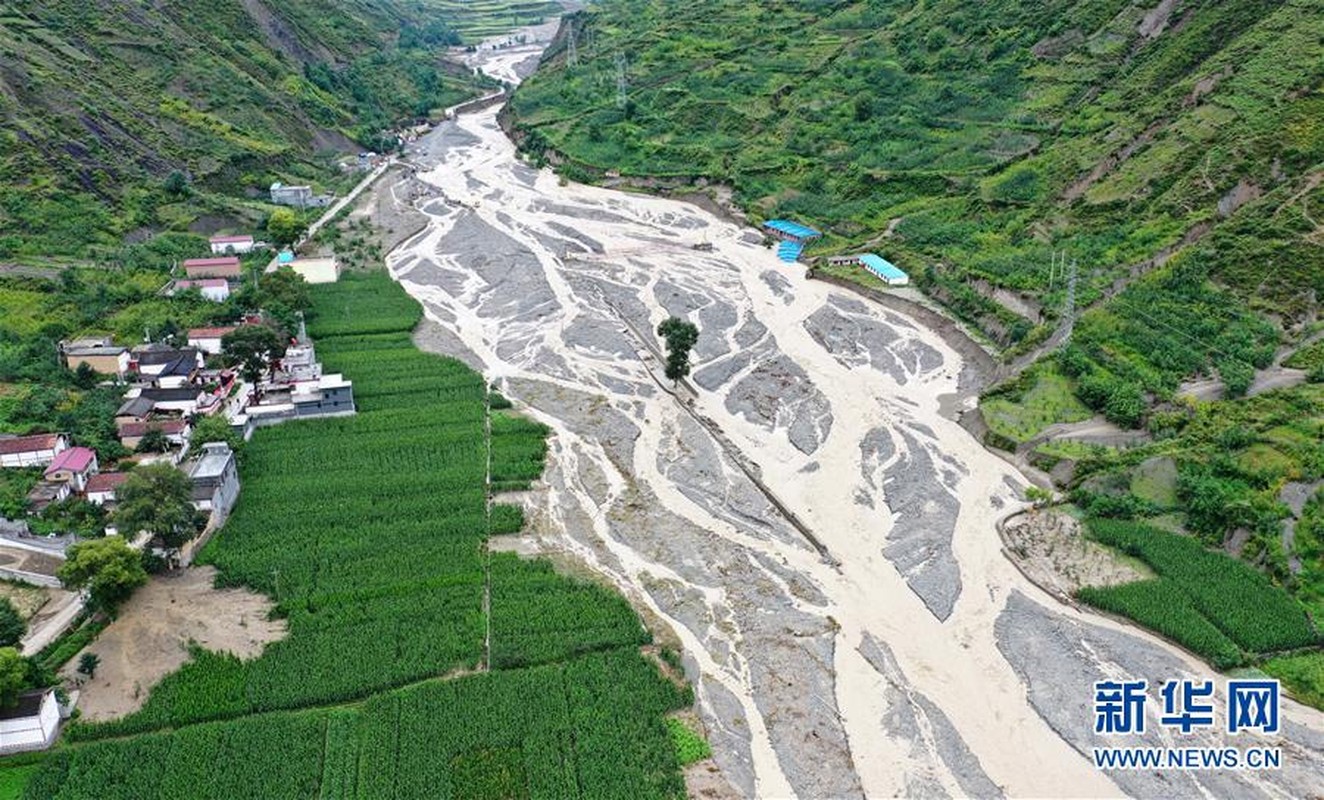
x=1051 y=549
x=29 y=561
x=26 y=599
x=150 y=638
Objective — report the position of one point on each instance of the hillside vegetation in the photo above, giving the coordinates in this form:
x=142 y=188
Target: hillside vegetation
x=1168 y=153
x=971 y=141
x=102 y=101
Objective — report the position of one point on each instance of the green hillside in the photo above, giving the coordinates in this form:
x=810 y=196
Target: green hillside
x=101 y=101
x=971 y=141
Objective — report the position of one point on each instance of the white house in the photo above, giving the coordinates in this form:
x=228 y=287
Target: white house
x=216 y=290
x=31 y=451
x=230 y=245
x=215 y=479
x=101 y=487
x=208 y=340
x=31 y=724
x=185 y=400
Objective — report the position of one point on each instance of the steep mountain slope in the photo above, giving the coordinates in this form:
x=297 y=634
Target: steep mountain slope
x=102 y=100
x=981 y=138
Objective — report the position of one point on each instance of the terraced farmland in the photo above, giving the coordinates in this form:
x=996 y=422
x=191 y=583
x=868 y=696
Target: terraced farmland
x=370 y=533
x=480 y=19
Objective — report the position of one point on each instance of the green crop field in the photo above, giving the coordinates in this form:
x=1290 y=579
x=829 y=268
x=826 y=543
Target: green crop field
x=1215 y=605
x=395 y=680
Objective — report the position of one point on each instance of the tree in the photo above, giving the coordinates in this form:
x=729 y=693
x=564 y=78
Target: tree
x=88 y=663
x=85 y=377
x=176 y=185
x=285 y=287
x=13 y=675
x=157 y=498
x=154 y=441
x=284 y=226
x=254 y=347
x=680 y=336
x=108 y=568
x=12 y=626
x=216 y=428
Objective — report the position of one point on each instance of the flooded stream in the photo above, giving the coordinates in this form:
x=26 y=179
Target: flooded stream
x=908 y=656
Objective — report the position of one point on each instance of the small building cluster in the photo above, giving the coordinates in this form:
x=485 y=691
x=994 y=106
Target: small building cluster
x=794 y=237
x=215 y=277
x=883 y=269
x=298 y=389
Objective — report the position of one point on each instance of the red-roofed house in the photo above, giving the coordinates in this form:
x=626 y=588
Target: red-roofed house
x=101 y=486
x=208 y=340
x=176 y=431
x=216 y=290
x=73 y=466
x=31 y=451
x=223 y=267
x=223 y=245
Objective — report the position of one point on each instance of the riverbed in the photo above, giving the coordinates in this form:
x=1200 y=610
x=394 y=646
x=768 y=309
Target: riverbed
x=800 y=515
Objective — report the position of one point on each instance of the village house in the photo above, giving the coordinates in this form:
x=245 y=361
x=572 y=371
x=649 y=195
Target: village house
x=101 y=487
x=73 y=467
x=880 y=267
x=220 y=267
x=31 y=723
x=298 y=196
x=135 y=409
x=176 y=431
x=231 y=245
x=216 y=290
x=208 y=340
x=45 y=493
x=101 y=354
x=157 y=360
x=37 y=450
x=215 y=477
x=185 y=400
x=298 y=390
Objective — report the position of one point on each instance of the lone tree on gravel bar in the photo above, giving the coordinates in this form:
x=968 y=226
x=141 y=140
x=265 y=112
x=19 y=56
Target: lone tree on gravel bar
x=680 y=336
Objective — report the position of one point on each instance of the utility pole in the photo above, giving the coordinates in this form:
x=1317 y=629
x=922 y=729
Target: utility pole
x=1071 y=298
x=622 y=82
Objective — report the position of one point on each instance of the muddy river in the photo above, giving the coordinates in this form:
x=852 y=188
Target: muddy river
x=818 y=536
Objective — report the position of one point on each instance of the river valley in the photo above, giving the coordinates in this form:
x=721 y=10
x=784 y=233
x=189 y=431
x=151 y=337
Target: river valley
x=814 y=532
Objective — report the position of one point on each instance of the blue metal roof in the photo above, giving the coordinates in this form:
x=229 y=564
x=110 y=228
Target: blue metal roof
x=881 y=266
x=792 y=228
x=284 y=257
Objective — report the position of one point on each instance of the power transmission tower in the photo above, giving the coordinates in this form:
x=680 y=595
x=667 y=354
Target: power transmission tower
x=572 y=52
x=622 y=82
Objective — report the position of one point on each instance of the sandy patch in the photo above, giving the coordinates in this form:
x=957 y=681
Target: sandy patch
x=150 y=638
x=26 y=599
x=1052 y=550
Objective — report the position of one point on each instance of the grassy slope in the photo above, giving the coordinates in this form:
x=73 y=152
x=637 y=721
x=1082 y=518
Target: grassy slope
x=995 y=132
x=376 y=599
x=102 y=100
